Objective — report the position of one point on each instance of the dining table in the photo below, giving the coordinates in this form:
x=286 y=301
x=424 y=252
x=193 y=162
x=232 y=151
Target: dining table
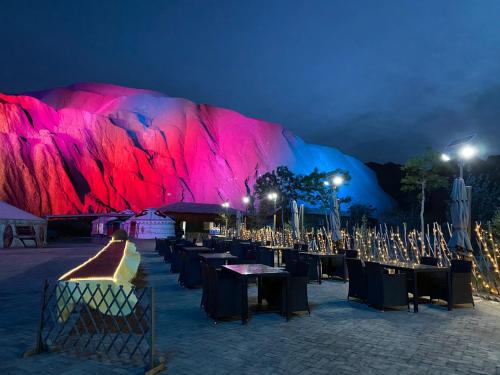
x=259 y=271
x=338 y=259
x=413 y=270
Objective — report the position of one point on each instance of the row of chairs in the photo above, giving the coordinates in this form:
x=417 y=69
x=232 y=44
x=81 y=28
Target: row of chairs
x=369 y=282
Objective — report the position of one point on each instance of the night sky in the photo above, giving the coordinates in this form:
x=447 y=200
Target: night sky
x=380 y=80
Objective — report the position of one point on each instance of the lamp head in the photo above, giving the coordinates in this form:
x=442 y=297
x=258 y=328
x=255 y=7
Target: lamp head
x=246 y=200
x=338 y=180
x=225 y=204
x=445 y=157
x=272 y=196
x=467 y=152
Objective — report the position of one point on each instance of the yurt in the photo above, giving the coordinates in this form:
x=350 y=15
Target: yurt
x=101 y=227
x=107 y=224
x=148 y=224
x=20 y=228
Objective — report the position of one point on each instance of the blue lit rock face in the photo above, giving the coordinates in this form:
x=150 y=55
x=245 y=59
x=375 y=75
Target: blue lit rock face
x=98 y=147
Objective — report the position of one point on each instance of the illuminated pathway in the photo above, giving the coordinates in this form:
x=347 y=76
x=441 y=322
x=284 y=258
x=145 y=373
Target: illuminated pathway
x=339 y=337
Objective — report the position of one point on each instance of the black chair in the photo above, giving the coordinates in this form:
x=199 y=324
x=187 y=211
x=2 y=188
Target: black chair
x=238 y=250
x=223 y=293
x=352 y=254
x=357 y=279
x=299 y=276
x=461 y=288
x=175 y=263
x=314 y=266
x=265 y=256
x=425 y=281
x=208 y=243
x=335 y=267
x=289 y=255
x=272 y=289
x=190 y=272
x=429 y=261
x=385 y=290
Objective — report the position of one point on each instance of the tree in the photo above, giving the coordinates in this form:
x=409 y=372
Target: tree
x=306 y=188
x=495 y=225
x=423 y=174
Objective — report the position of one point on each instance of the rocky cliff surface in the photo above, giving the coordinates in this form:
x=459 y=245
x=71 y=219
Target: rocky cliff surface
x=98 y=147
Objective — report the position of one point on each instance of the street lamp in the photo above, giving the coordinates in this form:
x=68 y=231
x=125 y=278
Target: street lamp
x=338 y=180
x=464 y=153
x=273 y=197
x=225 y=205
x=246 y=202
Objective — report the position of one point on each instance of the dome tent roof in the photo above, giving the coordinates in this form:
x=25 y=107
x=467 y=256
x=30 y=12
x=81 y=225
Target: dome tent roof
x=151 y=214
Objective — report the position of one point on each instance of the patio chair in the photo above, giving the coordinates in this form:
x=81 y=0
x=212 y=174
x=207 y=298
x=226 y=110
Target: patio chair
x=313 y=273
x=461 y=288
x=223 y=294
x=385 y=290
x=265 y=256
x=272 y=289
x=190 y=272
x=290 y=255
x=357 y=279
x=352 y=254
x=425 y=280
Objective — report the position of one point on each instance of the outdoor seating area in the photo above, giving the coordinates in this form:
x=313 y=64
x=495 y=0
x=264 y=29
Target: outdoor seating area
x=224 y=268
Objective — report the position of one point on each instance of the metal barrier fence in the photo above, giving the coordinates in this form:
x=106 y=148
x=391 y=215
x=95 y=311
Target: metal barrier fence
x=104 y=322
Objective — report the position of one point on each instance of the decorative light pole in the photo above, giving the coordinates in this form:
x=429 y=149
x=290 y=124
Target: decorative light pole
x=246 y=202
x=226 y=209
x=273 y=197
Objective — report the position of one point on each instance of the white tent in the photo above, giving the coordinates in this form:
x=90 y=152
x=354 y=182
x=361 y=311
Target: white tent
x=106 y=224
x=149 y=224
x=99 y=226
x=20 y=228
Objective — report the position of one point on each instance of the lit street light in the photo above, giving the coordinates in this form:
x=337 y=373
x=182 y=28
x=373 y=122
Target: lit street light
x=273 y=197
x=338 y=180
x=225 y=205
x=246 y=202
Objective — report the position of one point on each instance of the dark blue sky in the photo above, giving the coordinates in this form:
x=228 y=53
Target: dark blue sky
x=378 y=79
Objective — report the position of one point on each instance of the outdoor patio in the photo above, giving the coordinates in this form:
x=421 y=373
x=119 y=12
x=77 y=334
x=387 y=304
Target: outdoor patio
x=338 y=337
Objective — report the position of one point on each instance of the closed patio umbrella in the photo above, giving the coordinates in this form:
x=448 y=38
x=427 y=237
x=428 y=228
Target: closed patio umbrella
x=238 y=223
x=460 y=216
x=335 y=218
x=295 y=220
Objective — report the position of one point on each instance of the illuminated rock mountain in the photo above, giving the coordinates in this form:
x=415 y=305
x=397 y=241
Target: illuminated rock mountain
x=99 y=147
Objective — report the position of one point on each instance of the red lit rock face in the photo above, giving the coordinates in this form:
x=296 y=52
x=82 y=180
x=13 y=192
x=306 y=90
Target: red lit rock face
x=97 y=147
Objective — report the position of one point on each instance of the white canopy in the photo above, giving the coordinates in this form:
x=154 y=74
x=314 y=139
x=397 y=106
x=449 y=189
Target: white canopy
x=9 y=212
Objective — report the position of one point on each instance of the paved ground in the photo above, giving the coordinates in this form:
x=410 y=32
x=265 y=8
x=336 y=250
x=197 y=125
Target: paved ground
x=339 y=337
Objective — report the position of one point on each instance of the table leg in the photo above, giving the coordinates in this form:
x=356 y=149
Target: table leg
x=259 y=290
x=415 y=292
x=450 y=302
x=320 y=269
x=244 y=300
x=287 y=297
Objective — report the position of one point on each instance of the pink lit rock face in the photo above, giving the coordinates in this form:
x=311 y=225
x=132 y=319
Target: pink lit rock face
x=97 y=147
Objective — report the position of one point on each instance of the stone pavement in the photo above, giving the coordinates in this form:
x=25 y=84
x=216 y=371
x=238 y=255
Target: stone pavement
x=339 y=337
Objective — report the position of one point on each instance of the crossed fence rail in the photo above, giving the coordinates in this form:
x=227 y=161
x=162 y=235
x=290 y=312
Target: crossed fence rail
x=104 y=322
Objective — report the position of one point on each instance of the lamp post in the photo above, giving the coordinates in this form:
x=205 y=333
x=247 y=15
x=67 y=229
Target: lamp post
x=273 y=197
x=226 y=209
x=246 y=202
